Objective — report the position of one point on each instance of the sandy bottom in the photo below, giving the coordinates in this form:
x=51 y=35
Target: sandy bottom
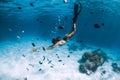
x=19 y=62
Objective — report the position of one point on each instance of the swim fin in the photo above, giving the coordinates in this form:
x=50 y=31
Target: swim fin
x=77 y=10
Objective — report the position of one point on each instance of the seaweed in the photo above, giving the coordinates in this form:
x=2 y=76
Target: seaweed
x=115 y=67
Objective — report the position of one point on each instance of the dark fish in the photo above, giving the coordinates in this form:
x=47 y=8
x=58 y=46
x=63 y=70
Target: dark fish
x=96 y=26
x=43 y=48
x=103 y=10
x=43 y=58
x=31 y=65
x=59 y=60
x=37 y=38
x=51 y=66
x=25 y=78
x=40 y=63
x=102 y=24
x=19 y=8
x=41 y=21
x=32 y=4
x=33 y=44
x=49 y=61
x=61 y=27
x=57 y=56
x=23 y=55
x=66 y=17
x=27 y=69
x=91 y=12
x=40 y=69
x=37 y=19
x=68 y=56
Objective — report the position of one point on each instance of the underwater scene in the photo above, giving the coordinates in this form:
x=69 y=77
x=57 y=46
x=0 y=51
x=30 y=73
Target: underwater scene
x=59 y=39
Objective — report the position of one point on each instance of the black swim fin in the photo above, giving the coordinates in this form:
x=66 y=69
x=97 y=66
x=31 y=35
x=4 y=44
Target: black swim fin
x=77 y=10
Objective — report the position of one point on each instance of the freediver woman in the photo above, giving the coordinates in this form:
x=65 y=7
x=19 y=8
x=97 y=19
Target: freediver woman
x=58 y=41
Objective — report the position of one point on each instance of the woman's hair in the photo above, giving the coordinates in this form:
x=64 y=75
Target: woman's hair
x=54 y=40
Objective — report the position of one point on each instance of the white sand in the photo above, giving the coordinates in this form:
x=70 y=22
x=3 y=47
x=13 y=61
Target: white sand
x=17 y=61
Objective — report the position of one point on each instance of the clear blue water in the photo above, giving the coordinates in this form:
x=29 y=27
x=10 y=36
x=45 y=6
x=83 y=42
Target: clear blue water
x=53 y=13
x=41 y=20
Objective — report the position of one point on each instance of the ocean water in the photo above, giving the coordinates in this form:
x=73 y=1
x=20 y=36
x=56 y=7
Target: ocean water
x=23 y=22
